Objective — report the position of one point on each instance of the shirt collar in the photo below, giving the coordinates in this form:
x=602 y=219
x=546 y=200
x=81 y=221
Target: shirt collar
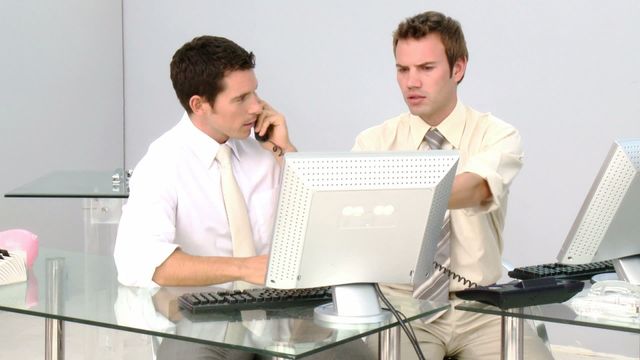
x=202 y=145
x=451 y=127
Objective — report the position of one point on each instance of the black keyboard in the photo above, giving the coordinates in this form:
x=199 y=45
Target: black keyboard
x=263 y=298
x=562 y=271
x=524 y=293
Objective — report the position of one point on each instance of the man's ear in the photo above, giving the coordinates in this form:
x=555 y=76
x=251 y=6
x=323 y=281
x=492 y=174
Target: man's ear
x=459 y=68
x=196 y=103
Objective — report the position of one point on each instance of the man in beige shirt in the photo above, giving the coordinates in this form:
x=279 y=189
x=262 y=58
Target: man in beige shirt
x=431 y=59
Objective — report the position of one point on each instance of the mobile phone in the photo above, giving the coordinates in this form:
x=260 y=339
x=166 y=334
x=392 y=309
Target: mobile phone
x=264 y=137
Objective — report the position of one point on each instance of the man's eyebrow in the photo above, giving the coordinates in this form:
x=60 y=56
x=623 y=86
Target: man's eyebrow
x=419 y=65
x=245 y=94
x=241 y=95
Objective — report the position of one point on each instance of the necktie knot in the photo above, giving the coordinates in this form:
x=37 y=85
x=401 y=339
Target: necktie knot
x=434 y=139
x=224 y=155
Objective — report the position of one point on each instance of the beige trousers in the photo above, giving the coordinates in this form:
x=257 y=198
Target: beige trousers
x=465 y=336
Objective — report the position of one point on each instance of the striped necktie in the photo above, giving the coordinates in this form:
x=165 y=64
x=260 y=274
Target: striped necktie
x=237 y=214
x=436 y=287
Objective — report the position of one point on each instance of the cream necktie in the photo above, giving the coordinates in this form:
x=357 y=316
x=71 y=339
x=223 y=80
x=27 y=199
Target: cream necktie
x=237 y=214
x=436 y=287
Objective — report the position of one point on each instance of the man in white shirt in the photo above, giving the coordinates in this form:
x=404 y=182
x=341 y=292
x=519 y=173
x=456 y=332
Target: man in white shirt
x=174 y=229
x=431 y=59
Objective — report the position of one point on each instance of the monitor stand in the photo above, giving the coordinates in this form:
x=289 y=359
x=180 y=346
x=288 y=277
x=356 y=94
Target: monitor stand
x=628 y=269
x=353 y=304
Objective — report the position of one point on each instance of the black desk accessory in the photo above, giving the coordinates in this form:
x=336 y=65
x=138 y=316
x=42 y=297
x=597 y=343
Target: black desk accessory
x=524 y=293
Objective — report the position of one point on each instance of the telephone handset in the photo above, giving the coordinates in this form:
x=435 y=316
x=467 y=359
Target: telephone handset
x=265 y=137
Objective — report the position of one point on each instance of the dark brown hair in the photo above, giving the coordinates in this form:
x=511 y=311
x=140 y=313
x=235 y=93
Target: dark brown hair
x=429 y=22
x=199 y=67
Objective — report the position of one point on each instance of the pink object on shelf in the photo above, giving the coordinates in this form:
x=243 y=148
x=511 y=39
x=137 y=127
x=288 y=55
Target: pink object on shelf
x=18 y=239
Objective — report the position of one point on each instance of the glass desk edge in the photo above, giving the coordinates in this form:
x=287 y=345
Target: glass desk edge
x=88 y=277
x=538 y=313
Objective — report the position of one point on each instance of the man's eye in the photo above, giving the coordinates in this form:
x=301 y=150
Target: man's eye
x=428 y=67
x=402 y=70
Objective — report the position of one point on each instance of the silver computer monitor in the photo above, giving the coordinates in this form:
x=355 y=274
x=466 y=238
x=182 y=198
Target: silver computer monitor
x=608 y=224
x=359 y=218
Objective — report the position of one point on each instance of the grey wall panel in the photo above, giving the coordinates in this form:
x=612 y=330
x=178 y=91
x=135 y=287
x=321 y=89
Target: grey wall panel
x=61 y=105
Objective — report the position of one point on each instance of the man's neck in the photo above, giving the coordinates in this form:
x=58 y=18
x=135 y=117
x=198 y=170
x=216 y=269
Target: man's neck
x=200 y=124
x=437 y=119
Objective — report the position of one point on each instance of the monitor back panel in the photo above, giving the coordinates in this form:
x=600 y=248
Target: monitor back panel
x=358 y=217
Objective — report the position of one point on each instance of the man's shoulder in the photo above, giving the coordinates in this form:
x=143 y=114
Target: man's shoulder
x=376 y=137
x=486 y=120
x=390 y=125
x=162 y=153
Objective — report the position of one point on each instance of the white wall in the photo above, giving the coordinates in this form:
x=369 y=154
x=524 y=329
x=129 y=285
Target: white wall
x=564 y=73
x=61 y=105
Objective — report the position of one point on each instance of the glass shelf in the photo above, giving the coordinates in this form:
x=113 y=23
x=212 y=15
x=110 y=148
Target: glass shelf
x=75 y=184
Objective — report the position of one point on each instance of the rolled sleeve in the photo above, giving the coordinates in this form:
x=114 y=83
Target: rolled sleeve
x=137 y=259
x=498 y=165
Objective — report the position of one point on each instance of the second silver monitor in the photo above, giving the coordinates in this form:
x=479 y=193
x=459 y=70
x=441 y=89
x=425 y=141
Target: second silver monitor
x=608 y=224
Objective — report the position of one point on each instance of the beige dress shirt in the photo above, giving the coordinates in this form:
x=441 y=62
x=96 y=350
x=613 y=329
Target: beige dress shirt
x=488 y=147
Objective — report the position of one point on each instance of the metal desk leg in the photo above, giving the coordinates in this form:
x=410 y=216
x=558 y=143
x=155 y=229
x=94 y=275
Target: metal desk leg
x=389 y=344
x=512 y=336
x=54 y=329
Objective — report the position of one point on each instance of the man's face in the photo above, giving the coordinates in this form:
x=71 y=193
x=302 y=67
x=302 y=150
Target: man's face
x=235 y=110
x=424 y=77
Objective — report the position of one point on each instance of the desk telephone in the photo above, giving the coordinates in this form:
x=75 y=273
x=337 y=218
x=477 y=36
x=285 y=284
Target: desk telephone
x=517 y=293
x=614 y=299
x=615 y=287
x=520 y=293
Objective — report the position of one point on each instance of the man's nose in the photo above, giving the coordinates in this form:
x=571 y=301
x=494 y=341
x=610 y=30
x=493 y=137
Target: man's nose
x=413 y=80
x=256 y=106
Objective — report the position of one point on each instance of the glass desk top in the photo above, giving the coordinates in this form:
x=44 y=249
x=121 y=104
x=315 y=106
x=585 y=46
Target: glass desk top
x=75 y=184
x=558 y=313
x=83 y=288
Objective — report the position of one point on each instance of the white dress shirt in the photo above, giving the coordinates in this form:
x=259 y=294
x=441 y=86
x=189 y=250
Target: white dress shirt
x=488 y=147
x=175 y=200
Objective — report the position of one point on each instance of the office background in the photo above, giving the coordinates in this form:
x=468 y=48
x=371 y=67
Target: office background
x=85 y=85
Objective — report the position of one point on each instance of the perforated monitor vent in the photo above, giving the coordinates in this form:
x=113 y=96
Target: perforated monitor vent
x=305 y=174
x=289 y=229
x=606 y=199
x=633 y=152
x=378 y=172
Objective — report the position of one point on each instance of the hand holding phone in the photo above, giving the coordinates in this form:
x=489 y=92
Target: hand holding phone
x=271 y=130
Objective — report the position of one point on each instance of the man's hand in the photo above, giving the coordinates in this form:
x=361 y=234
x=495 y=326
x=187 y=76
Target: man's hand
x=271 y=123
x=254 y=269
x=469 y=190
